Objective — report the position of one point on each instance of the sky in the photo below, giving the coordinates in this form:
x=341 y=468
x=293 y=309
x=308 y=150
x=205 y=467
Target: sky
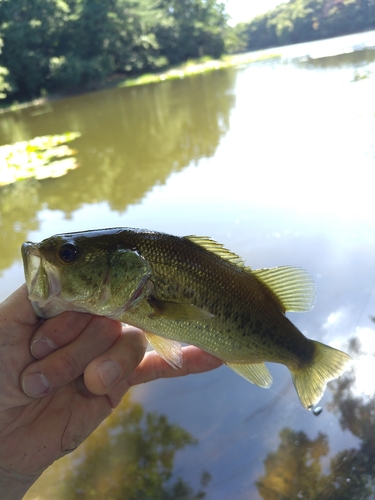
x=244 y=10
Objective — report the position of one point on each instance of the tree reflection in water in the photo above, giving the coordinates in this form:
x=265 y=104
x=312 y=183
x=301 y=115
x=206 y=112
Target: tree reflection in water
x=295 y=470
x=144 y=135
x=129 y=457
x=19 y=206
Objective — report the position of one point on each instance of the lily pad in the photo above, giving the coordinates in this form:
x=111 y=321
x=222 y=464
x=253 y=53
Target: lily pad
x=41 y=157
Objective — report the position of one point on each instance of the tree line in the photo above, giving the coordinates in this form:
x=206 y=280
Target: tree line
x=53 y=45
x=60 y=45
x=302 y=21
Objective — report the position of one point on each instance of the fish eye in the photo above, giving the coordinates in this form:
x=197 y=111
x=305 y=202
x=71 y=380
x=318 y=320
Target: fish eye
x=68 y=252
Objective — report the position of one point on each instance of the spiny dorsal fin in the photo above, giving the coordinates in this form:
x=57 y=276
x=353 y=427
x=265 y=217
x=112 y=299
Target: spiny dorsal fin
x=217 y=248
x=294 y=287
x=256 y=373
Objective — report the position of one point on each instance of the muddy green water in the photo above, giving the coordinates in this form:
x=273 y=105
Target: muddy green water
x=277 y=161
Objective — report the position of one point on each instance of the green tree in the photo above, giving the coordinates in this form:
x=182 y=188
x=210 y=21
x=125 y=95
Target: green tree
x=54 y=45
x=236 y=38
x=105 y=37
x=30 y=32
x=191 y=29
x=130 y=457
x=304 y=20
x=295 y=468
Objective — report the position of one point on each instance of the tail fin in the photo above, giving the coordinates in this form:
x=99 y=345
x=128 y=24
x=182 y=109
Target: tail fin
x=310 y=381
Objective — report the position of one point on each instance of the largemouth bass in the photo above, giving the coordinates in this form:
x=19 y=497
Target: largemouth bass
x=185 y=289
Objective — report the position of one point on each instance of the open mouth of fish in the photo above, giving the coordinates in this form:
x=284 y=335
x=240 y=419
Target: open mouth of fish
x=43 y=282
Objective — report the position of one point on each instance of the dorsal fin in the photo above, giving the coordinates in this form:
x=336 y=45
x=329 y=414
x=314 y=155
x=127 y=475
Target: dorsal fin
x=217 y=248
x=294 y=287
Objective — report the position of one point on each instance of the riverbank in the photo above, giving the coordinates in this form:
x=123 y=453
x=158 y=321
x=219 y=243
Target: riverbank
x=190 y=68
x=195 y=67
x=49 y=156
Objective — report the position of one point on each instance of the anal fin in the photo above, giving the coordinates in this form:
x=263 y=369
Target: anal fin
x=169 y=350
x=256 y=373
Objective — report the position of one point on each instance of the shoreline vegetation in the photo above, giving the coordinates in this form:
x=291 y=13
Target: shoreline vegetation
x=54 y=47
x=190 y=68
x=51 y=49
x=49 y=156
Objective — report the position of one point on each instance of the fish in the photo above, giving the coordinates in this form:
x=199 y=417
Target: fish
x=189 y=290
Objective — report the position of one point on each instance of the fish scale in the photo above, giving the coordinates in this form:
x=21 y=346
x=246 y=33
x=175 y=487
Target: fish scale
x=185 y=289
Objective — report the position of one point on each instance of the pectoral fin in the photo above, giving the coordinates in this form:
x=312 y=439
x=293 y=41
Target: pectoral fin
x=167 y=349
x=178 y=311
x=256 y=373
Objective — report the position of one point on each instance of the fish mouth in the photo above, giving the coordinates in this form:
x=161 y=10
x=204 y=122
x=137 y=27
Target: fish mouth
x=42 y=280
x=31 y=263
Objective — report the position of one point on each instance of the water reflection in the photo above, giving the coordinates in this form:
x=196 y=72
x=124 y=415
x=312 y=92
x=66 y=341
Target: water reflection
x=354 y=58
x=132 y=139
x=19 y=207
x=290 y=183
x=132 y=456
x=297 y=469
x=129 y=457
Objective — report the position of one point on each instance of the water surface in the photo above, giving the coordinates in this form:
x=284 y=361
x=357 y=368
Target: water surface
x=275 y=160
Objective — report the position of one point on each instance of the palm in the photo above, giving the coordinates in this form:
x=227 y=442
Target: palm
x=41 y=430
x=48 y=428
x=36 y=431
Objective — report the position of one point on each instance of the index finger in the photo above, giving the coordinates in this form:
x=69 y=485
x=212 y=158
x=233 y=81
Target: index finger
x=66 y=364
x=57 y=332
x=153 y=367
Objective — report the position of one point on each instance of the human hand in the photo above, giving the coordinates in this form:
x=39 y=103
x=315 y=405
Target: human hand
x=59 y=378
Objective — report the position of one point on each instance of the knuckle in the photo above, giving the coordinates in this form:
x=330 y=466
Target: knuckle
x=69 y=365
x=160 y=367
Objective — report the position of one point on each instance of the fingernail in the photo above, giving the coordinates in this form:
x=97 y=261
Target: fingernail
x=35 y=384
x=41 y=347
x=109 y=371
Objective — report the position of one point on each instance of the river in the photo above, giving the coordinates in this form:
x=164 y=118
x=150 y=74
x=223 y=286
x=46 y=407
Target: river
x=276 y=160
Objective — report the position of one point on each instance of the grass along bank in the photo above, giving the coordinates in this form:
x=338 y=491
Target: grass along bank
x=195 y=67
x=190 y=68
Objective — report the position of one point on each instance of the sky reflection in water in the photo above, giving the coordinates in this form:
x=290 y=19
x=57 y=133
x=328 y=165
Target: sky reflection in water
x=276 y=161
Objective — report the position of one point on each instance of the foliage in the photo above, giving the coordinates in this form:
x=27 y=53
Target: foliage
x=203 y=65
x=236 y=38
x=130 y=457
x=55 y=45
x=61 y=45
x=295 y=469
x=305 y=20
x=191 y=29
x=41 y=157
